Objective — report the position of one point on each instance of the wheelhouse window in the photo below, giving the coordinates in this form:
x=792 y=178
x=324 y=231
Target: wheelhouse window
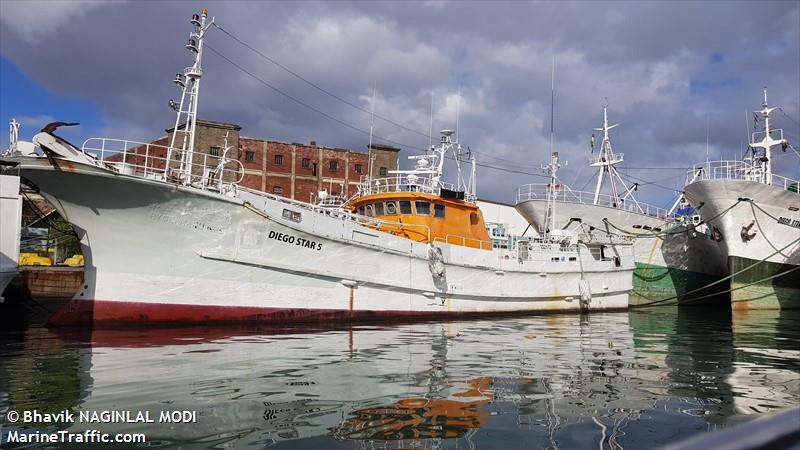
x=249 y=156
x=361 y=210
x=423 y=208
x=306 y=163
x=438 y=210
x=391 y=208
x=405 y=207
x=278 y=160
x=379 y=209
x=383 y=172
x=369 y=211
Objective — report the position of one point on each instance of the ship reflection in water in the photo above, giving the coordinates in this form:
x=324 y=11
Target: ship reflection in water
x=621 y=380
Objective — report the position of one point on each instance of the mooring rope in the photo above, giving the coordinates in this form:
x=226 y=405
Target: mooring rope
x=667 y=232
x=674 y=297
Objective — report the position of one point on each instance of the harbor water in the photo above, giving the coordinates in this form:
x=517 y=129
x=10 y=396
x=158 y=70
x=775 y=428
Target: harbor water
x=638 y=379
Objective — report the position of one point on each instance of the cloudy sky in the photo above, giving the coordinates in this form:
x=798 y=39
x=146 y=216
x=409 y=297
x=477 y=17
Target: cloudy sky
x=670 y=72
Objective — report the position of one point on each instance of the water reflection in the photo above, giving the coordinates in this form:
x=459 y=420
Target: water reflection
x=635 y=379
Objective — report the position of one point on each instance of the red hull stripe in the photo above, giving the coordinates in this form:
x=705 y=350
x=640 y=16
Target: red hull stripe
x=87 y=312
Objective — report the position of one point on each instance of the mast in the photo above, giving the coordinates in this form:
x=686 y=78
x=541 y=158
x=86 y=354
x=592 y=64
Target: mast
x=371 y=126
x=767 y=142
x=550 y=212
x=189 y=81
x=607 y=161
x=13 y=135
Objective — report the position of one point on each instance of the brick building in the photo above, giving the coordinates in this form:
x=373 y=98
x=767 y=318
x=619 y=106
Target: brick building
x=292 y=170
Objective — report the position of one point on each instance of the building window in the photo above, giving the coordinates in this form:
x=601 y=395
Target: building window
x=277 y=190
x=334 y=166
x=306 y=163
x=359 y=168
x=278 y=160
x=384 y=172
x=215 y=151
x=249 y=156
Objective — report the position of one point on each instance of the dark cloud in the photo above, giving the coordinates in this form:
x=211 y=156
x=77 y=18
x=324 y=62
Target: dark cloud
x=665 y=68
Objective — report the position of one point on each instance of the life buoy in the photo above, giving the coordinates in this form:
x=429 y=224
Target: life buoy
x=436 y=261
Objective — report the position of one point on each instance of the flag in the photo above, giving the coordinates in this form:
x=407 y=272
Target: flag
x=592 y=143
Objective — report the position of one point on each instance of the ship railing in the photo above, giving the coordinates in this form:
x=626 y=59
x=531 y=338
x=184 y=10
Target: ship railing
x=741 y=170
x=148 y=160
x=372 y=222
x=369 y=186
x=563 y=194
x=464 y=241
x=339 y=213
x=600 y=159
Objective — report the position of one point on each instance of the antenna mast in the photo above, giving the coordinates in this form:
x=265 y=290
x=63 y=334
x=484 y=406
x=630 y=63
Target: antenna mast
x=767 y=142
x=371 y=126
x=552 y=193
x=13 y=135
x=189 y=81
x=607 y=161
x=430 y=126
x=552 y=102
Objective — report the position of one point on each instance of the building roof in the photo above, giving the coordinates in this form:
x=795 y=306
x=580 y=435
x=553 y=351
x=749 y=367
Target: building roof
x=384 y=147
x=211 y=124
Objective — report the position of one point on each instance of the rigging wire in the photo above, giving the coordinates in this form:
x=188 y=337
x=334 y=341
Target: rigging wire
x=339 y=98
x=350 y=126
x=343 y=100
x=314 y=85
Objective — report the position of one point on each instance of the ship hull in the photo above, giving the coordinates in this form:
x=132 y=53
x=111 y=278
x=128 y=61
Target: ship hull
x=160 y=253
x=669 y=267
x=10 y=222
x=759 y=226
x=5 y=280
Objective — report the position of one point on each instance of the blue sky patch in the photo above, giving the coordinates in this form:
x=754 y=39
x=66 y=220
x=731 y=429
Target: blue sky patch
x=23 y=98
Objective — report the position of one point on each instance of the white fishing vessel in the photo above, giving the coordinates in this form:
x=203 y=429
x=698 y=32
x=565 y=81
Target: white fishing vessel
x=675 y=258
x=168 y=235
x=11 y=217
x=757 y=215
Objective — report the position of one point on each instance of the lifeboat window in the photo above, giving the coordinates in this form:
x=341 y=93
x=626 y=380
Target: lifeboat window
x=391 y=208
x=370 y=212
x=438 y=210
x=423 y=208
x=361 y=210
x=473 y=218
x=405 y=207
x=379 y=209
